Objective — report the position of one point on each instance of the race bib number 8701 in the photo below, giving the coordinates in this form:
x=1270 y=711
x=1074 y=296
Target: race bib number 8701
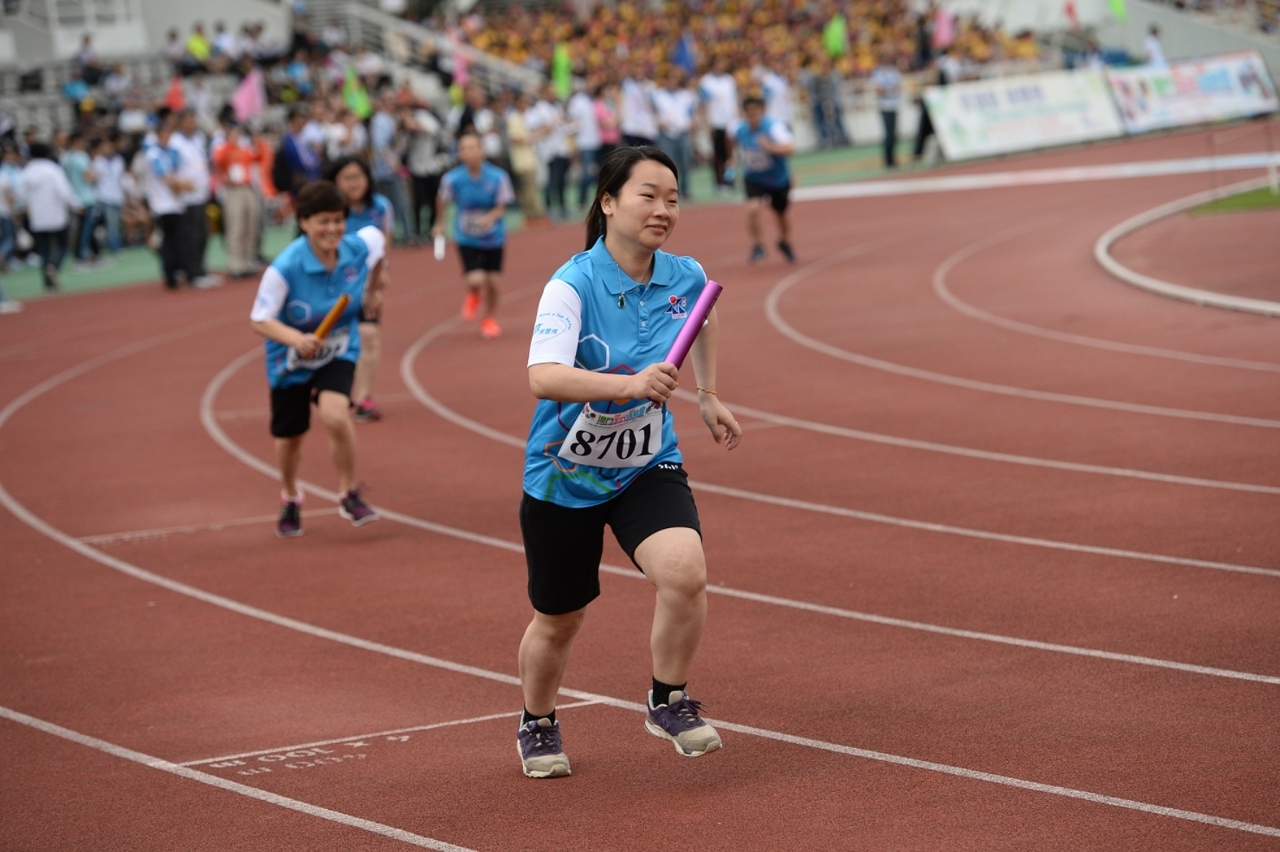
x=629 y=438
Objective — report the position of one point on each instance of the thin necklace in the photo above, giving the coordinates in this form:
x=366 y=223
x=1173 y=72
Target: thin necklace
x=643 y=288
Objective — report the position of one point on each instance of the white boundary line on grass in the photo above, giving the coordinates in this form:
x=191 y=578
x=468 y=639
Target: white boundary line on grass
x=231 y=786
x=1102 y=253
x=790 y=332
x=1034 y=177
x=45 y=529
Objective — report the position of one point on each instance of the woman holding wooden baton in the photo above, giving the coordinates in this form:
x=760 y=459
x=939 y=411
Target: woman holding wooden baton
x=602 y=451
x=307 y=308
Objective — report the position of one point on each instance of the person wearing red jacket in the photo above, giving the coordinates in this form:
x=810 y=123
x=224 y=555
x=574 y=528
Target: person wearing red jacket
x=243 y=167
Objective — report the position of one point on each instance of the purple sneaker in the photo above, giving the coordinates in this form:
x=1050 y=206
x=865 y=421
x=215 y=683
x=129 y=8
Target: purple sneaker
x=678 y=721
x=290 y=523
x=538 y=743
x=354 y=509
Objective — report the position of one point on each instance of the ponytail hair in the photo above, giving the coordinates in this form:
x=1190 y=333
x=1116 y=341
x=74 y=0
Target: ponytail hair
x=614 y=174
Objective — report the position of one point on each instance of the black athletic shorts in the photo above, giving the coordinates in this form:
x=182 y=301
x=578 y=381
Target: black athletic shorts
x=779 y=196
x=563 y=546
x=291 y=406
x=488 y=260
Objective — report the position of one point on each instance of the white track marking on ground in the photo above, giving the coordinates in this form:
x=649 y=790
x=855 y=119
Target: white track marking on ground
x=400 y=653
x=162 y=532
x=446 y=413
x=1034 y=177
x=1210 y=298
x=26 y=516
x=230 y=786
x=787 y=330
x=944 y=292
x=263 y=413
x=391 y=733
x=986 y=455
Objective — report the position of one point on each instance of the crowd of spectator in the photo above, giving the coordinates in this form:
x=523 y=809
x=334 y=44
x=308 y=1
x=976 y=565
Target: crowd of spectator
x=145 y=165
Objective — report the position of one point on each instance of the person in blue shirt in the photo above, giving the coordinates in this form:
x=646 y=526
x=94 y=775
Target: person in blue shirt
x=481 y=192
x=602 y=450
x=760 y=147
x=297 y=291
x=365 y=208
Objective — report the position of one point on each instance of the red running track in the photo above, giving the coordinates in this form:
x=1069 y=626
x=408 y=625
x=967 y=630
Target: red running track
x=975 y=586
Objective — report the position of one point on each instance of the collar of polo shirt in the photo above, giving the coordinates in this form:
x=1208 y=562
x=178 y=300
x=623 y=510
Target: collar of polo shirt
x=617 y=281
x=312 y=265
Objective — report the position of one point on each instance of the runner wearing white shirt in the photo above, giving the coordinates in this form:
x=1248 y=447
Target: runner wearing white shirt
x=192 y=147
x=719 y=94
x=109 y=166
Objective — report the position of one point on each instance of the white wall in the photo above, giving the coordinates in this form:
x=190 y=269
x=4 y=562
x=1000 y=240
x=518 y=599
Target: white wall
x=162 y=15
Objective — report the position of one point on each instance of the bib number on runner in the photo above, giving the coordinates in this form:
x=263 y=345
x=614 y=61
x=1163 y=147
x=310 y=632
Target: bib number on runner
x=472 y=223
x=333 y=346
x=627 y=439
x=755 y=160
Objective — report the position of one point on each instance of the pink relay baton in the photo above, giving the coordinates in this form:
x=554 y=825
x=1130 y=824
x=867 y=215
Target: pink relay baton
x=693 y=325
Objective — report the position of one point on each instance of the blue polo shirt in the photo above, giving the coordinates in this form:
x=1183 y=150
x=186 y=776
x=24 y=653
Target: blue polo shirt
x=581 y=323
x=299 y=291
x=474 y=197
x=378 y=214
x=758 y=165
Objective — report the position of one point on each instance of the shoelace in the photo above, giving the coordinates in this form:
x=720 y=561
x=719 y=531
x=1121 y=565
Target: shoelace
x=544 y=739
x=686 y=710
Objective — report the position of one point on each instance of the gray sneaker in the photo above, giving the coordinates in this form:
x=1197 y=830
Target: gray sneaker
x=538 y=743
x=679 y=722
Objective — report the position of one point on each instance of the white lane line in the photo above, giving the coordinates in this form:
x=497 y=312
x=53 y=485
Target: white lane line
x=391 y=733
x=263 y=413
x=163 y=532
x=988 y=455
x=790 y=332
x=230 y=786
x=1195 y=295
x=1034 y=177
x=945 y=293
x=27 y=517
x=443 y=411
x=376 y=647
x=976 y=775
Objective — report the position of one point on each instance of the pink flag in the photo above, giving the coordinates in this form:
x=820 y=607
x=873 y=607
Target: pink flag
x=250 y=98
x=944 y=29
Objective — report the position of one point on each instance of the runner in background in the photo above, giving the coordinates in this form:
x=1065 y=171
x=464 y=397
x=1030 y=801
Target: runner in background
x=761 y=146
x=299 y=288
x=481 y=192
x=365 y=208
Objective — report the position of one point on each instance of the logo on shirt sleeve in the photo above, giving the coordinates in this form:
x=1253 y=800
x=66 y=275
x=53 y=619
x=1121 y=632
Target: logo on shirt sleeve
x=676 y=308
x=549 y=326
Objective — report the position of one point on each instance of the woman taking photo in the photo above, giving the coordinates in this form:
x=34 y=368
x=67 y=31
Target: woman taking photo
x=297 y=291
x=365 y=208
x=602 y=450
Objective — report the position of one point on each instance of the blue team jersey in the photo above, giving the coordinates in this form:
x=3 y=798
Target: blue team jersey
x=309 y=291
x=610 y=339
x=758 y=165
x=474 y=197
x=378 y=214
